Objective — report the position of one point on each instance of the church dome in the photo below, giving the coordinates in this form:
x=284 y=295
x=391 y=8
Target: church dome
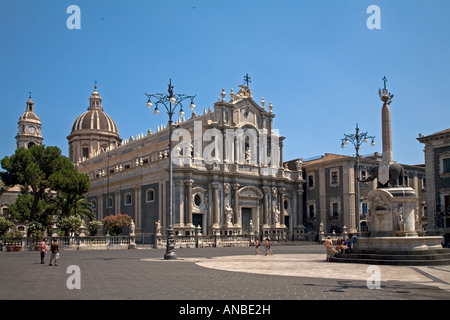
x=92 y=132
x=95 y=118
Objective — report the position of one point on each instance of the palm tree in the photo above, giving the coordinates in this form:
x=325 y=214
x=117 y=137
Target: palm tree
x=69 y=205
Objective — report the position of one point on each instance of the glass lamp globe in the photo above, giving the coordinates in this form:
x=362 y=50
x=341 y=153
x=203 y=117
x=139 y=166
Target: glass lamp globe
x=172 y=100
x=156 y=111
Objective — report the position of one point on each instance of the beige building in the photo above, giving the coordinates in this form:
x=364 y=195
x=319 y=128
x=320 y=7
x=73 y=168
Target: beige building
x=330 y=191
x=228 y=174
x=437 y=167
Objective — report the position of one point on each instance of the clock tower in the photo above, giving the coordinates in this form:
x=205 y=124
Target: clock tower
x=29 y=128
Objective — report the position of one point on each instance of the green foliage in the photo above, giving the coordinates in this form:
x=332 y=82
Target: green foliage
x=64 y=204
x=115 y=223
x=72 y=223
x=3 y=186
x=20 y=211
x=39 y=170
x=5 y=225
x=93 y=226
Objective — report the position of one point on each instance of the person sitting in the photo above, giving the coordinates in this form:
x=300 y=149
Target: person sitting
x=338 y=247
x=352 y=243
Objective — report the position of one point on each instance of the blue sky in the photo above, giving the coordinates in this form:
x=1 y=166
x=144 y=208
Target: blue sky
x=316 y=60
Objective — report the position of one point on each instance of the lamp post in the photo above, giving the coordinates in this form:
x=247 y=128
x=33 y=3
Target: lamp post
x=357 y=140
x=170 y=102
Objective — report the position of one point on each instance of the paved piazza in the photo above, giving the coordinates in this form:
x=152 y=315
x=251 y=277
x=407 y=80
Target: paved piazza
x=292 y=273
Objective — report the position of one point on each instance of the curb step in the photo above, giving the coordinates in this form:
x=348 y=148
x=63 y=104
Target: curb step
x=423 y=257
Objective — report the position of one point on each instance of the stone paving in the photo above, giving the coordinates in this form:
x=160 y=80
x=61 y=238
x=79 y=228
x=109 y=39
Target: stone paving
x=292 y=273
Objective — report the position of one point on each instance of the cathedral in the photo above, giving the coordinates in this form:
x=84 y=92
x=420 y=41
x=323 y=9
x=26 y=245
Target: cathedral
x=228 y=173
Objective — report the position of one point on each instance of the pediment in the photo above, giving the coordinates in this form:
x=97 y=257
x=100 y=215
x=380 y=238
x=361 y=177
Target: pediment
x=250 y=192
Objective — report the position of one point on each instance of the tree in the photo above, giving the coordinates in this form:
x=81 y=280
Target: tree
x=20 y=211
x=31 y=168
x=3 y=187
x=5 y=225
x=50 y=178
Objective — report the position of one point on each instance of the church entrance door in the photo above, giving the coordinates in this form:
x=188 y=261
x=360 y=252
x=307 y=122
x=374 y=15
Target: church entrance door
x=246 y=217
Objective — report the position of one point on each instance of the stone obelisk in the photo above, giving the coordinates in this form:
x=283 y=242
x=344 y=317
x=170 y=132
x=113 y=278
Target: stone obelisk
x=387 y=159
x=386 y=124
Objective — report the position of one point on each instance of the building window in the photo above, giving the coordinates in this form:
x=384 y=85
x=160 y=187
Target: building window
x=334 y=177
x=311 y=181
x=197 y=200
x=5 y=212
x=94 y=204
x=311 y=211
x=150 y=195
x=85 y=152
x=446 y=165
x=109 y=202
x=335 y=208
x=363 y=174
x=128 y=199
x=447 y=203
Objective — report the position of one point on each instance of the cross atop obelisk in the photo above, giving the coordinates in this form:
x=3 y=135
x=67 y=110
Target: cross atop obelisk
x=384 y=80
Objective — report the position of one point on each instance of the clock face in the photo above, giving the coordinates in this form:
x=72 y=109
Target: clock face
x=31 y=129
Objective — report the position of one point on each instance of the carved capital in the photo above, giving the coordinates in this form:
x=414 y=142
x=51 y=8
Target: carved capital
x=214 y=185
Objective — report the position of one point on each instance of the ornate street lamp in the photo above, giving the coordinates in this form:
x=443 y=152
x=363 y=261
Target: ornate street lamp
x=357 y=140
x=170 y=102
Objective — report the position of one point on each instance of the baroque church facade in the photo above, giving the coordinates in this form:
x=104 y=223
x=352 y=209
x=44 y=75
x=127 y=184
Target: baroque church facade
x=229 y=176
x=228 y=173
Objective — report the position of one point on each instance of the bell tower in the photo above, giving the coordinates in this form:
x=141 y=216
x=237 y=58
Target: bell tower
x=29 y=127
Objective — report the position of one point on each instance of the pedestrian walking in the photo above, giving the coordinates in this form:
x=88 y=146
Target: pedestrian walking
x=54 y=247
x=256 y=247
x=43 y=250
x=268 y=250
x=329 y=248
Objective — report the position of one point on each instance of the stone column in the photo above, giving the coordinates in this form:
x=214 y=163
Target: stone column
x=266 y=191
x=236 y=205
x=215 y=205
x=100 y=213
x=300 y=209
x=386 y=134
x=137 y=208
x=188 y=206
x=117 y=195
x=281 y=196
x=179 y=205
